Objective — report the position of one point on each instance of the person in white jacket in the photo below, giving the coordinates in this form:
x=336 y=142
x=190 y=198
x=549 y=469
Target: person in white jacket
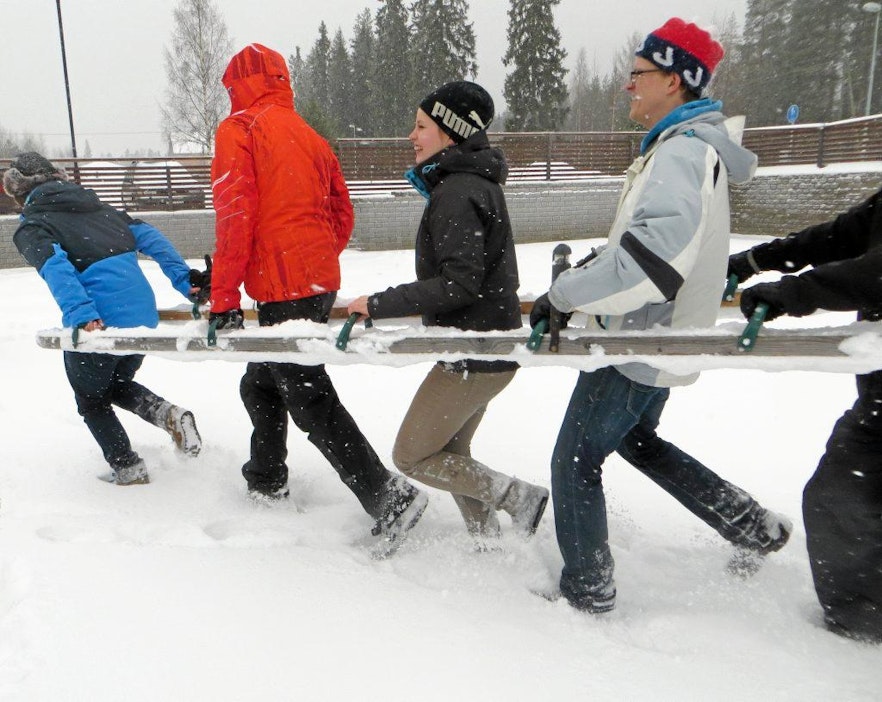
x=666 y=255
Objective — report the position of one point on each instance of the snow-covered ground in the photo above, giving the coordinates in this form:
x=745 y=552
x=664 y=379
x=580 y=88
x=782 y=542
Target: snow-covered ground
x=185 y=590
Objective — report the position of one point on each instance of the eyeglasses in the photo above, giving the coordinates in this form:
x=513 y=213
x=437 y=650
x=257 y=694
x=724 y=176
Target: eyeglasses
x=636 y=74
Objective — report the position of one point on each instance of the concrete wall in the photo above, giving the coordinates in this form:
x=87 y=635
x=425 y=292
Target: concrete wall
x=775 y=203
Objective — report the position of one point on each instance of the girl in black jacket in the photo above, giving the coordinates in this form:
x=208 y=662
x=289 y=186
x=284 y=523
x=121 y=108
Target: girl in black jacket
x=467 y=278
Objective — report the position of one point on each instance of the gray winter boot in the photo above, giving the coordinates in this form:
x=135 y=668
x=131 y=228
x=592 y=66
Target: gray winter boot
x=135 y=474
x=480 y=517
x=526 y=504
x=769 y=533
x=403 y=509
x=181 y=426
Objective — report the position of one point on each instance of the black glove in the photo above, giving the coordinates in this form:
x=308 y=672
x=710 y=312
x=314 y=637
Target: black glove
x=740 y=265
x=782 y=297
x=231 y=319
x=202 y=280
x=542 y=309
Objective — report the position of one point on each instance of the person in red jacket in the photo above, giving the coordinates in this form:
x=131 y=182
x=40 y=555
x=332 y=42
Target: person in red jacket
x=283 y=218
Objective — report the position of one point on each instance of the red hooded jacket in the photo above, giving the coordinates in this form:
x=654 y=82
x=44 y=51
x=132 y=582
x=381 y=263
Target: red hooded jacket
x=283 y=213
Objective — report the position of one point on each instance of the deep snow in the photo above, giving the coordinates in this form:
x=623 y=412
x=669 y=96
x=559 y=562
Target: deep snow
x=185 y=590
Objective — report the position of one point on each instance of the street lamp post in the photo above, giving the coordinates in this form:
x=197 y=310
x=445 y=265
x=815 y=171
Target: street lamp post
x=73 y=139
x=873 y=8
x=355 y=129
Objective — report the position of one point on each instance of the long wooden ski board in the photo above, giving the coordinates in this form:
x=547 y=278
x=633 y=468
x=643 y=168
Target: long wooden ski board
x=856 y=348
x=184 y=313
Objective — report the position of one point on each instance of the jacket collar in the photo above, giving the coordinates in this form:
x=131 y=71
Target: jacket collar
x=682 y=113
x=474 y=155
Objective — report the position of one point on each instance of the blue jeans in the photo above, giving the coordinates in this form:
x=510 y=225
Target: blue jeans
x=608 y=412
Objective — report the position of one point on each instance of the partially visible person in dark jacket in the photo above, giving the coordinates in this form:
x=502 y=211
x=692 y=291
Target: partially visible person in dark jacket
x=842 y=502
x=87 y=252
x=467 y=278
x=283 y=218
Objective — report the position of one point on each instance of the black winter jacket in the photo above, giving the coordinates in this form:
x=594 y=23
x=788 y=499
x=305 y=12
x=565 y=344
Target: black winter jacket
x=467 y=273
x=846 y=256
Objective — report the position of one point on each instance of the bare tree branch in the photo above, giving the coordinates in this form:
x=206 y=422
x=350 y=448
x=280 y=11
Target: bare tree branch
x=195 y=98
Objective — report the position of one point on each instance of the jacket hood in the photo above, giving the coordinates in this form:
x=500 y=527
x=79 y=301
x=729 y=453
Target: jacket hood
x=475 y=155
x=724 y=135
x=60 y=196
x=257 y=74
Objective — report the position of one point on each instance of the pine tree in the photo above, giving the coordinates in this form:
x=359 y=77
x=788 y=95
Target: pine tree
x=859 y=28
x=443 y=44
x=363 y=53
x=392 y=104
x=764 y=55
x=579 y=117
x=816 y=68
x=299 y=76
x=316 y=108
x=317 y=63
x=535 y=90
x=617 y=101
x=340 y=84
x=728 y=84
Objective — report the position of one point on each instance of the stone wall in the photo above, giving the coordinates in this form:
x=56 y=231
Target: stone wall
x=539 y=212
x=781 y=200
x=776 y=202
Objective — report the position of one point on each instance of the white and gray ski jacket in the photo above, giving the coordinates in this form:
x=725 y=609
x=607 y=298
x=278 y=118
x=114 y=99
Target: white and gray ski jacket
x=665 y=261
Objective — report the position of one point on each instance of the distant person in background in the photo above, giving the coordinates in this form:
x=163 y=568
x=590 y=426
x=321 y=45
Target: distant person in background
x=283 y=218
x=842 y=502
x=87 y=252
x=662 y=267
x=467 y=278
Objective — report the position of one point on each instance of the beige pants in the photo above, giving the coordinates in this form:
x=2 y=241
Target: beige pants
x=434 y=442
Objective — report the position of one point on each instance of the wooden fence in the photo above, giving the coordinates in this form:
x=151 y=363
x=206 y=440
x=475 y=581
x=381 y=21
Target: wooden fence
x=374 y=166
x=818 y=144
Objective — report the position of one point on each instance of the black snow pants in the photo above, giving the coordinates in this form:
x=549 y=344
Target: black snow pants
x=101 y=381
x=271 y=391
x=842 y=510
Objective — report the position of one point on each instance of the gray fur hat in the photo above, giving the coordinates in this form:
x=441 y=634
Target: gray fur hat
x=27 y=171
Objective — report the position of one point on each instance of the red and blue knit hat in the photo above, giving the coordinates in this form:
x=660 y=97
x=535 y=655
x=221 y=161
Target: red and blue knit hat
x=685 y=49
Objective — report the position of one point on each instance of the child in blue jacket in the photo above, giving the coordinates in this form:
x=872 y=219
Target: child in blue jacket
x=87 y=252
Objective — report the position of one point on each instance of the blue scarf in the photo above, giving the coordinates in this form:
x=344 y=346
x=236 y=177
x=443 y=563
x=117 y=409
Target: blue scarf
x=681 y=114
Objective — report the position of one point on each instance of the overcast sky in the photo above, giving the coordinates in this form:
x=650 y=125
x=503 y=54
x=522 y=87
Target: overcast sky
x=115 y=53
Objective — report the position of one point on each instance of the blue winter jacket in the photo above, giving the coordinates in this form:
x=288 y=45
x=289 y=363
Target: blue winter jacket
x=87 y=252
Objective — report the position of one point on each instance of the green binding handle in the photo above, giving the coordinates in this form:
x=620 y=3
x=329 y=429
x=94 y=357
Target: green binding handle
x=343 y=337
x=535 y=340
x=212 y=333
x=747 y=340
x=195 y=311
x=560 y=261
x=731 y=287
